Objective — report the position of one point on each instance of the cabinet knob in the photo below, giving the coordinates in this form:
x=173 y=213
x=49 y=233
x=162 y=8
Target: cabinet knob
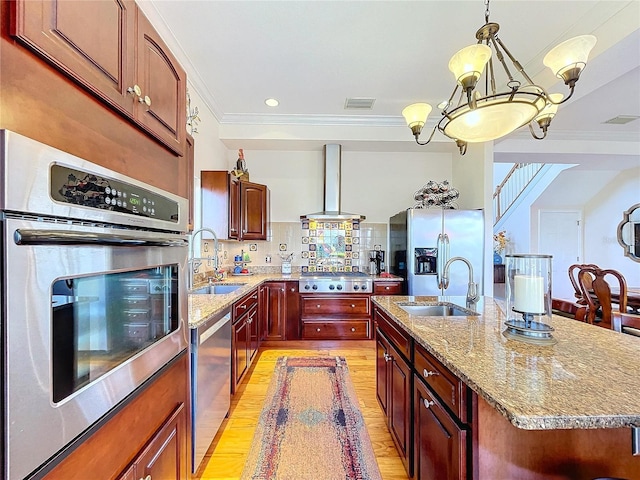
x=317 y=306
x=427 y=403
x=317 y=329
x=353 y=306
x=146 y=100
x=293 y=289
x=386 y=288
x=387 y=357
x=135 y=90
x=428 y=373
x=283 y=289
x=353 y=329
x=243 y=306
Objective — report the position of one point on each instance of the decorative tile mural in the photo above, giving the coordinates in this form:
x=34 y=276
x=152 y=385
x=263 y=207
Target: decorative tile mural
x=328 y=246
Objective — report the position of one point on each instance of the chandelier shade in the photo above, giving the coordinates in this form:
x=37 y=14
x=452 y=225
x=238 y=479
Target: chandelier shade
x=569 y=56
x=468 y=64
x=550 y=110
x=493 y=117
x=416 y=116
x=485 y=116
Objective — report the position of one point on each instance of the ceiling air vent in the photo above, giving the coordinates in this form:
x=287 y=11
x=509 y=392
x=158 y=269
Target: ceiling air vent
x=359 y=103
x=622 y=119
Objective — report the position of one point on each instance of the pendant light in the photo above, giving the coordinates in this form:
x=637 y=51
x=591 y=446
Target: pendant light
x=485 y=116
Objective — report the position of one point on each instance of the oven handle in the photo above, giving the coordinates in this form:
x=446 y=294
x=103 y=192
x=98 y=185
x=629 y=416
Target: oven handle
x=63 y=237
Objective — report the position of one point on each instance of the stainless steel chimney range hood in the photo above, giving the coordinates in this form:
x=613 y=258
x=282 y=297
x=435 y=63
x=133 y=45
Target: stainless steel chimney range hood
x=332 y=185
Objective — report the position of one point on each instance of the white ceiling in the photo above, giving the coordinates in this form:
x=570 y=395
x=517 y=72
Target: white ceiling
x=313 y=55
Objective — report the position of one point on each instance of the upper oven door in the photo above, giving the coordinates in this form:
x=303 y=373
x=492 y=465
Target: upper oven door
x=91 y=313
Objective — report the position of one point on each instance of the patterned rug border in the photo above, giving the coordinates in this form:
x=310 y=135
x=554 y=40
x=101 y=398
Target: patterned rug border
x=354 y=459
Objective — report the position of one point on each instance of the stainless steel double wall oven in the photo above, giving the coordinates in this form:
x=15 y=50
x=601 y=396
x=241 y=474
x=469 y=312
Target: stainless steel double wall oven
x=93 y=295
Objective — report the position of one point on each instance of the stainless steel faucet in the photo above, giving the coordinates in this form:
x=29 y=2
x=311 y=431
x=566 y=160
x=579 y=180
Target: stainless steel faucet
x=472 y=290
x=195 y=262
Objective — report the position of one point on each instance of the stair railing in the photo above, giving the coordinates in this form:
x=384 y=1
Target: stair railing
x=514 y=183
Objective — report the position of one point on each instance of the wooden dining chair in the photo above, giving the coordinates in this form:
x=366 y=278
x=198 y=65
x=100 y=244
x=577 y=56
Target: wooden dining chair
x=580 y=305
x=596 y=291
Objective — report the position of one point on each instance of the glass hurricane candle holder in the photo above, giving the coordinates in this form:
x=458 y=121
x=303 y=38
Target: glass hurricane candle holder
x=528 y=292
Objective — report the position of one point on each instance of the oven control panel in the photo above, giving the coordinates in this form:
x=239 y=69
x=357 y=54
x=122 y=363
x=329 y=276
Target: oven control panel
x=77 y=187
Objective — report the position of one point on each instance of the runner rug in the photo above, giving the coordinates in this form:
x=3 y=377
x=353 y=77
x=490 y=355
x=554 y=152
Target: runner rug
x=311 y=427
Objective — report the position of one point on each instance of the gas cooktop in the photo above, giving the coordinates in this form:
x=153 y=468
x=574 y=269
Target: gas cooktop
x=335 y=282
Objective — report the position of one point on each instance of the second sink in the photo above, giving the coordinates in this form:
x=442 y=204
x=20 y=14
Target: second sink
x=217 y=289
x=438 y=310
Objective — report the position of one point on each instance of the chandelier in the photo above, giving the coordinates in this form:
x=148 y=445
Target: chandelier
x=484 y=116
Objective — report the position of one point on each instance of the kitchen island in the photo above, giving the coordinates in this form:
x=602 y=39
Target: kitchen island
x=560 y=411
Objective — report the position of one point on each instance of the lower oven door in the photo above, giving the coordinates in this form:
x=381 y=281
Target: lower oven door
x=90 y=314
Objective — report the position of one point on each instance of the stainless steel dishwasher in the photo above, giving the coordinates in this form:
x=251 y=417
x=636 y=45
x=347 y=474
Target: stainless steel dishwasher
x=210 y=381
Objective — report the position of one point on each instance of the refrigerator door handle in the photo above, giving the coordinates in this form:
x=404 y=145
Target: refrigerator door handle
x=439 y=261
x=445 y=259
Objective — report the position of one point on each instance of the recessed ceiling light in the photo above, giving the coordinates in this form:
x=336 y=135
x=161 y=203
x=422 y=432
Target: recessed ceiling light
x=272 y=102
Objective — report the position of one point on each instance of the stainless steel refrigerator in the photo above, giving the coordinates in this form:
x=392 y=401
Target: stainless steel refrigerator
x=422 y=240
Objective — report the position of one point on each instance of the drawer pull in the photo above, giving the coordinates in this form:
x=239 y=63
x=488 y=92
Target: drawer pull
x=387 y=288
x=427 y=403
x=353 y=306
x=243 y=306
x=317 y=329
x=428 y=373
x=317 y=306
x=353 y=329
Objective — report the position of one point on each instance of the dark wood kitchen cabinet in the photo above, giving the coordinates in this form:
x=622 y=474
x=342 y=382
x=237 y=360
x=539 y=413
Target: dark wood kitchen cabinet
x=164 y=456
x=440 y=444
x=342 y=316
x=280 y=311
x=387 y=287
x=248 y=207
x=442 y=405
x=130 y=68
x=148 y=433
x=234 y=209
x=245 y=336
x=394 y=387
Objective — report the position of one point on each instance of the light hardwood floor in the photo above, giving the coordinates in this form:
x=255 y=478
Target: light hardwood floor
x=225 y=459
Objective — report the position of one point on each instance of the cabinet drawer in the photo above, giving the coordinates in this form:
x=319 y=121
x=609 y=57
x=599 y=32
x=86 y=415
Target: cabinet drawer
x=245 y=304
x=337 y=305
x=387 y=288
x=336 y=330
x=400 y=339
x=451 y=390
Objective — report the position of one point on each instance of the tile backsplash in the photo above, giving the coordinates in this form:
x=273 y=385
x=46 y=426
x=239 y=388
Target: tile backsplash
x=313 y=246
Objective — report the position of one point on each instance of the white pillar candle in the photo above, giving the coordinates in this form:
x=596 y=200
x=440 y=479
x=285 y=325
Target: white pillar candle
x=528 y=294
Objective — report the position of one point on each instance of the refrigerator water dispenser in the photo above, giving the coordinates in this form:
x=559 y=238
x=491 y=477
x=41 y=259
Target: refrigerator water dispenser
x=426 y=261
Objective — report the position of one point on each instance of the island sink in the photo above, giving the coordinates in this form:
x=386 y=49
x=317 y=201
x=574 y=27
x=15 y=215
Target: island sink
x=217 y=289
x=437 y=310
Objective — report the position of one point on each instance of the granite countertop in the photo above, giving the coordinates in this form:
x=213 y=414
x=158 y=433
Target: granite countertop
x=588 y=379
x=203 y=306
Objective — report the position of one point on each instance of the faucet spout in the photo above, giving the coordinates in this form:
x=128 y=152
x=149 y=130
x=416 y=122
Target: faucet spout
x=472 y=289
x=193 y=260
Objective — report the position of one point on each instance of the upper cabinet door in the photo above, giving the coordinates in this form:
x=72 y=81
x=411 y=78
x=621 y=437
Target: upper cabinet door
x=91 y=41
x=162 y=82
x=110 y=48
x=254 y=204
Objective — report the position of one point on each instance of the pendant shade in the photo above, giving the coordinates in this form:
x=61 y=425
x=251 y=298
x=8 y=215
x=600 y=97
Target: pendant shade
x=468 y=64
x=416 y=115
x=551 y=109
x=572 y=53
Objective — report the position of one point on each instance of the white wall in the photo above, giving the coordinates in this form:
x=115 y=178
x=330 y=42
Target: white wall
x=374 y=184
x=602 y=215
